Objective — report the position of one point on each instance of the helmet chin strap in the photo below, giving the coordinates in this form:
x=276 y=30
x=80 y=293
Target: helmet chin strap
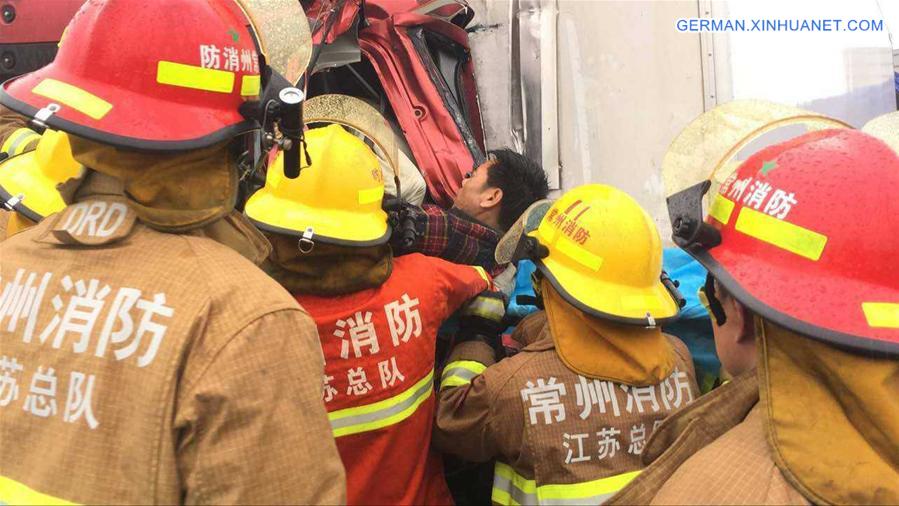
x=715 y=306
x=13 y=201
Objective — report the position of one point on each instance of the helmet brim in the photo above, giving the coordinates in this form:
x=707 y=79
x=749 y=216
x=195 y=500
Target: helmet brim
x=609 y=301
x=774 y=292
x=330 y=226
x=160 y=125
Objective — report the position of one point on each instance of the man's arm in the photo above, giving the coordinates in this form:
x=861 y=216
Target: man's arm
x=447 y=235
x=470 y=413
x=464 y=425
x=253 y=427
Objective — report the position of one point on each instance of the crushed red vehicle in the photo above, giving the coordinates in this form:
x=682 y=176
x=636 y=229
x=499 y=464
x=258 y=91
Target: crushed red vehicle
x=30 y=32
x=413 y=59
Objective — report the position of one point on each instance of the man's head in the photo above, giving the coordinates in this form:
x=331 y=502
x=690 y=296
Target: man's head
x=500 y=189
x=733 y=327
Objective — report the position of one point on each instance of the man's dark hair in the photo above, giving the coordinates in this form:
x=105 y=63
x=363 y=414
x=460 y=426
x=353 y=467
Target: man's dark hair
x=522 y=181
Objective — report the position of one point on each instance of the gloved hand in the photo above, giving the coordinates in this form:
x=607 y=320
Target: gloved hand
x=407 y=223
x=482 y=319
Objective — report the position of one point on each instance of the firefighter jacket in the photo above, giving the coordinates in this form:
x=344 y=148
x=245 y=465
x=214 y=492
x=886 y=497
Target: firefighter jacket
x=728 y=422
x=145 y=367
x=558 y=437
x=379 y=347
x=4 y=219
x=814 y=424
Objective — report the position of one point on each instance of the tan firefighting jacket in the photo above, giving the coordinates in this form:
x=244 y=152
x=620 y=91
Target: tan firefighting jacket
x=145 y=367
x=4 y=219
x=714 y=453
x=813 y=424
x=558 y=437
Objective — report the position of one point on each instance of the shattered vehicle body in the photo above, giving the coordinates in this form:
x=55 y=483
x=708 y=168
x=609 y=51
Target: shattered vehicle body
x=414 y=60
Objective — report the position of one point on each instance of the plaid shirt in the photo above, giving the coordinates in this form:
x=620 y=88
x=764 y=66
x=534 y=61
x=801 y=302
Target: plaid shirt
x=453 y=236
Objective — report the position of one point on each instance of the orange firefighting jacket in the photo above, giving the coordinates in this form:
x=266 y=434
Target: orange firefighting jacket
x=379 y=347
x=558 y=437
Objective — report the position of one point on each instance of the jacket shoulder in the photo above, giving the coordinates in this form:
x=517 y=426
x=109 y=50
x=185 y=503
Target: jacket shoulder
x=679 y=346
x=738 y=467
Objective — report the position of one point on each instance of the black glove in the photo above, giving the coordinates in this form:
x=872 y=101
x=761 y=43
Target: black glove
x=483 y=319
x=407 y=224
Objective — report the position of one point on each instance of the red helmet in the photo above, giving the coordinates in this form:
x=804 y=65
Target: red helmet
x=805 y=233
x=160 y=75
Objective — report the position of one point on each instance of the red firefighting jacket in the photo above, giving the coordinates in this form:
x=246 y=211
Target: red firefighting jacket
x=379 y=347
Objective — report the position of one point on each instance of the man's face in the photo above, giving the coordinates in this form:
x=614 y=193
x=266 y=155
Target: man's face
x=474 y=190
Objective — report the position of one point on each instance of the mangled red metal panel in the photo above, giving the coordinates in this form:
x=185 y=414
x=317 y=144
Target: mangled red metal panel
x=445 y=137
x=29 y=32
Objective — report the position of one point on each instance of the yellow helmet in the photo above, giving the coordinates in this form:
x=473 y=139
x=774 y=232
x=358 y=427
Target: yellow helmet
x=336 y=200
x=28 y=181
x=604 y=256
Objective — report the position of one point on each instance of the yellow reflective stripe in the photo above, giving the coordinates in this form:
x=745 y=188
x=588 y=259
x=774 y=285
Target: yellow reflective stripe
x=578 y=254
x=63 y=36
x=721 y=209
x=485 y=307
x=82 y=101
x=382 y=413
x=371 y=195
x=17 y=141
x=460 y=372
x=510 y=487
x=249 y=86
x=483 y=274
x=29 y=143
x=197 y=78
x=590 y=492
x=13 y=492
x=881 y=314
x=783 y=234
x=454 y=381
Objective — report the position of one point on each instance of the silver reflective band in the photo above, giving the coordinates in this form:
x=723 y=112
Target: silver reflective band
x=26 y=136
x=461 y=373
x=382 y=413
x=509 y=487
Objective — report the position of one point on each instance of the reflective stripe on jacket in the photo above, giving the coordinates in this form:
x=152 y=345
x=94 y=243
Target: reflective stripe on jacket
x=558 y=437
x=510 y=487
x=379 y=347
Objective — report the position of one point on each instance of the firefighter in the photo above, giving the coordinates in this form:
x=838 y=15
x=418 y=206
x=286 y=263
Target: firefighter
x=377 y=315
x=568 y=417
x=799 y=243
x=143 y=362
x=28 y=183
